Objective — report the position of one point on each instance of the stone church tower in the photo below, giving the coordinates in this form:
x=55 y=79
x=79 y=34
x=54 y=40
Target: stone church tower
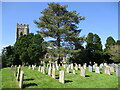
x=22 y=29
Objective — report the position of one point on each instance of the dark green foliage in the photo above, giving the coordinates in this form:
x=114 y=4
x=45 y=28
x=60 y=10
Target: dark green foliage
x=118 y=42
x=29 y=48
x=109 y=42
x=8 y=56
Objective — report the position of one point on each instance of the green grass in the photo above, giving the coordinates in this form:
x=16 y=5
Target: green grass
x=35 y=79
x=8 y=79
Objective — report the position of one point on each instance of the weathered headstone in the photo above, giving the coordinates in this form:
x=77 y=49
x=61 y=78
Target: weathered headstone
x=29 y=67
x=79 y=65
x=49 y=71
x=112 y=69
x=97 y=70
x=83 y=72
x=62 y=76
x=107 y=70
x=18 y=74
x=90 y=68
x=53 y=73
x=67 y=70
x=21 y=79
x=84 y=66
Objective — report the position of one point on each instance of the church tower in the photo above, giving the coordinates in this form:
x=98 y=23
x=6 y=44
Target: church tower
x=22 y=29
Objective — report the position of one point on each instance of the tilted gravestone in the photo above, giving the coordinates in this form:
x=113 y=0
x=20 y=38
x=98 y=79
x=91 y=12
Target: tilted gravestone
x=62 y=76
x=18 y=74
x=83 y=72
x=21 y=79
x=90 y=69
x=97 y=70
x=53 y=73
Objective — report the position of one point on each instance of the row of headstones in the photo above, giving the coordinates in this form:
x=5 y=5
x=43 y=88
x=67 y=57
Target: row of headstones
x=19 y=75
x=106 y=68
x=51 y=72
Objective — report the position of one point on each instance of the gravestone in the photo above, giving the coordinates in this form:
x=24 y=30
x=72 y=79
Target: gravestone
x=84 y=66
x=74 y=72
x=67 y=70
x=83 y=72
x=18 y=74
x=107 y=70
x=21 y=79
x=90 y=68
x=49 y=71
x=79 y=65
x=15 y=72
x=57 y=67
x=29 y=67
x=39 y=68
x=97 y=70
x=112 y=69
x=43 y=70
x=53 y=73
x=93 y=66
x=117 y=70
x=76 y=67
x=62 y=76
x=72 y=66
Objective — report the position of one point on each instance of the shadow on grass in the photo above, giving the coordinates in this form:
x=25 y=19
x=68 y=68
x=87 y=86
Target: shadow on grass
x=67 y=81
x=28 y=79
x=87 y=75
x=29 y=84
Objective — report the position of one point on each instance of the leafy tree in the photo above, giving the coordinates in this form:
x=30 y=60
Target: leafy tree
x=118 y=42
x=61 y=25
x=93 y=49
x=109 y=42
x=8 y=56
x=29 y=48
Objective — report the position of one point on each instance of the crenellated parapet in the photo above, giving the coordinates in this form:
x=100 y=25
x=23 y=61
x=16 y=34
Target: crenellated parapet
x=22 y=29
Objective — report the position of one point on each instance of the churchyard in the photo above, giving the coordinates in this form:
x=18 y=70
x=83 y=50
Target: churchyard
x=61 y=76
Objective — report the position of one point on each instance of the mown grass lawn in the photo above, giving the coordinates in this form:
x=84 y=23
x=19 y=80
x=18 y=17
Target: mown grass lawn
x=35 y=79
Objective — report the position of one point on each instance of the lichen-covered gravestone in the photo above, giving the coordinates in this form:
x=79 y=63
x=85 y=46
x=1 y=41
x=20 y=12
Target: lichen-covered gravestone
x=62 y=76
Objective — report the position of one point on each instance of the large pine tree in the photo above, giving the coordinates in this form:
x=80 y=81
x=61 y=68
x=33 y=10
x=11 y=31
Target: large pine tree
x=61 y=25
